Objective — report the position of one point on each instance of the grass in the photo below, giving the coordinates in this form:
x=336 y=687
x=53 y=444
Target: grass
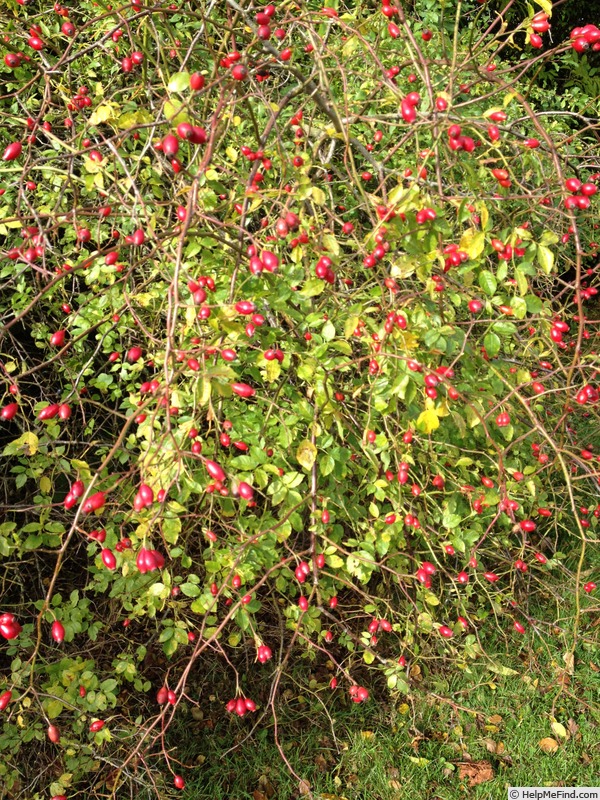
x=455 y=729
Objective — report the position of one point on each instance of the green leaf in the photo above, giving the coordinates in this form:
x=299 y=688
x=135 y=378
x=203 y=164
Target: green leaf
x=520 y=307
x=328 y=331
x=534 y=304
x=545 y=258
x=190 y=589
x=488 y=283
x=312 y=288
x=179 y=82
x=492 y=343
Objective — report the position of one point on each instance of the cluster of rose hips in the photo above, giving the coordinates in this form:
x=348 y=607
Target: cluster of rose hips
x=587 y=394
x=303 y=569
x=264 y=653
x=166 y=695
x=582 y=38
x=323 y=269
x=408 y=106
x=81 y=100
x=558 y=329
x=358 y=694
x=454 y=256
x=539 y=24
x=290 y=222
x=580 y=194
x=149 y=560
x=143 y=498
x=456 y=141
x=382 y=246
x=9 y=627
x=266 y=261
x=240 y=706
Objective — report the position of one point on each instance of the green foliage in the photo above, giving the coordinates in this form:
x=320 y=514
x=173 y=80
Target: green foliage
x=320 y=445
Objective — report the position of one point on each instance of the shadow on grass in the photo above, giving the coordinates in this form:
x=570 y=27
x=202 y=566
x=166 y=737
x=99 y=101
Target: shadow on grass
x=459 y=734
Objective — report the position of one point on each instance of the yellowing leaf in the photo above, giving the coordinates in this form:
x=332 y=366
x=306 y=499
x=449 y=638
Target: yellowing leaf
x=559 y=730
x=45 y=484
x=104 y=113
x=549 y=745
x=330 y=243
x=546 y=6
x=473 y=243
x=318 y=195
x=428 y=421
x=26 y=444
x=488 y=112
x=232 y=154
x=349 y=46
x=484 y=214
x=306 y=454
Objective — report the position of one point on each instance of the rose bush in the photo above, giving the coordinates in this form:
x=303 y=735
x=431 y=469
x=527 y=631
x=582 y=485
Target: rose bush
x=298 y=362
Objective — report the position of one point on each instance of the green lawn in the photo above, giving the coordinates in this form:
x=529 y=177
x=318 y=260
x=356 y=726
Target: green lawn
x=454 y=729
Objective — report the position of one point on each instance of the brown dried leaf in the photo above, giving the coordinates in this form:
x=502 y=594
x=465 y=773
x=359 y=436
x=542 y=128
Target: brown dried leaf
x=476 y=772
x=303 y=788
x=258 y=795
x=549 y=745
x=569 y=660
x=494 y=747
x=562 y=678
x=572 y=726
x=321 y=763
x=495 y=719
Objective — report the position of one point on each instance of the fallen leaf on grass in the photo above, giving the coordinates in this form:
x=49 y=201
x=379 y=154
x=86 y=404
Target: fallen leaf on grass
x=476 y=772
x=559 y=730
x=303 y=788
x=321 y=763
x=497 y=748
x=573 y=727
x=549 y=745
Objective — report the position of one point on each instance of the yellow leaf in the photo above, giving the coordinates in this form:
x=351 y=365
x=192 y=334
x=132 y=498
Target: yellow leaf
x=306 y=454
x=318 y=195
x=349 y=46
x=204 y=392
x=103 y=113
x=473 y=243
x=232 y=154
x=428 y=421
x=350 y=326
x=546 y=6
x=27 y=444
x=488 y=112
x=484 y=214
x=559 y=730
x=45 y=484
x=549 y=745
